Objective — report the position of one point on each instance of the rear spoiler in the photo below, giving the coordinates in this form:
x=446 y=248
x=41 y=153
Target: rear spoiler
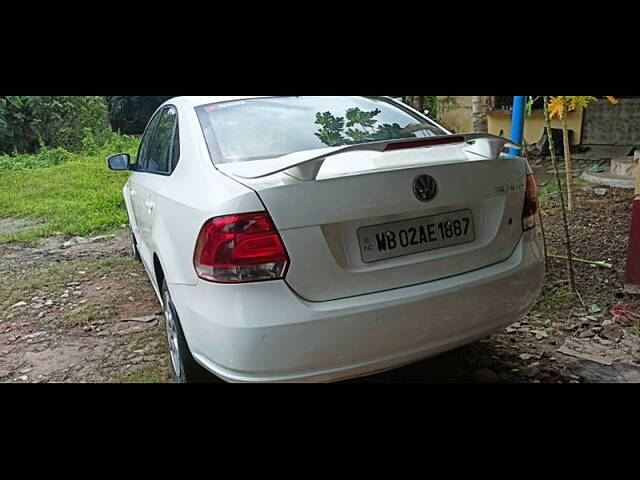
x=307 y=164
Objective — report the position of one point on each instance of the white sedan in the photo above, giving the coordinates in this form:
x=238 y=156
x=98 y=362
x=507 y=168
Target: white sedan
x=324 y=238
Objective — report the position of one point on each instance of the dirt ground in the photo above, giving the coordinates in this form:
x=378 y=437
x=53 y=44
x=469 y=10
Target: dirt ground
x=84 y=311
x=78 y=313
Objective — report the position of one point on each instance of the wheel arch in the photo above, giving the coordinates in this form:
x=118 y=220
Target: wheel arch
x=158 y=271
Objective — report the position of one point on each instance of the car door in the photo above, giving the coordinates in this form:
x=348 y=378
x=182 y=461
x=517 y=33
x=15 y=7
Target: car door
x=158 y=166
x=137 y=216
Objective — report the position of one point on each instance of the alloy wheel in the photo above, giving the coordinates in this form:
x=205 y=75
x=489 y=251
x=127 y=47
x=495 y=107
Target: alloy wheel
x=172 y=335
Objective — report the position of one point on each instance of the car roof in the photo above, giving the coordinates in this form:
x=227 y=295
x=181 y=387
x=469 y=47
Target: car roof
x=196 y=101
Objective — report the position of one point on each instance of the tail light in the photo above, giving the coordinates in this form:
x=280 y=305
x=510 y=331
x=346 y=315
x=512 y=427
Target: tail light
x=530 y=211
x=240 y=249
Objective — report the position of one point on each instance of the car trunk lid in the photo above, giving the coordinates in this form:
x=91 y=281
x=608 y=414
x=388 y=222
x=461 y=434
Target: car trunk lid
x=354 y=221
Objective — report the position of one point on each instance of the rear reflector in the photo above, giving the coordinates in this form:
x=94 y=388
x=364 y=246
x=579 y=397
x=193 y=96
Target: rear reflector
x=530 y=210
x=240 y=249
x=427 y=142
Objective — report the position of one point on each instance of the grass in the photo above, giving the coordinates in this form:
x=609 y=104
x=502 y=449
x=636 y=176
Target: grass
x=548 y=191
x=47 y=158
x=553 y=298
x=71 y=194
x=149 y=373
x=93 y=313
x=156 y=369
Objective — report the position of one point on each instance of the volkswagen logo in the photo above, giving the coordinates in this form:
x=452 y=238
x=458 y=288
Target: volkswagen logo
x=425 y=188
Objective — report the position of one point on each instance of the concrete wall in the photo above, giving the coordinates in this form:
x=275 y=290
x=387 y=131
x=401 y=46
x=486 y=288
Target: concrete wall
x=534 y=125
x=458 y=118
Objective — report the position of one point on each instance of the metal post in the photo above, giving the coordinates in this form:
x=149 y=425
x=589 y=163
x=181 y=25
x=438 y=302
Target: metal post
x=632 y=273
x=637 y=158
x=517 y=122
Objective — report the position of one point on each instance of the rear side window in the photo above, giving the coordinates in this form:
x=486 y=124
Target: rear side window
x=143 y=152
x=262 y=128
x=161 y=149
x=175 y=152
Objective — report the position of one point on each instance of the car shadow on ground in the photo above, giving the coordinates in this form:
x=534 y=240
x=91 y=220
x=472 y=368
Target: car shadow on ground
x=464 y=365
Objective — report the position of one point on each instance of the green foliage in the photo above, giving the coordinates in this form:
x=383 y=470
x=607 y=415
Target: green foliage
x=434 y=105
x=331 y=129
x=89 y=143
x=130 y=115
x=31 y=123
x=338 y=131
x=46 y=158
x=71 y=193
x=51 y=157
x=431 y=104
x=552 y=298
x=548 y=191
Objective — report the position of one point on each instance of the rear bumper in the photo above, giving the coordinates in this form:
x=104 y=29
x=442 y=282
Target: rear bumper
x=266 y=333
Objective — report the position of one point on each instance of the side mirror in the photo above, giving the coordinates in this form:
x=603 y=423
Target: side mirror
x=120 y=162
x=426 y=112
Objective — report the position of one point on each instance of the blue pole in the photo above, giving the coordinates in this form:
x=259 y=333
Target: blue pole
x=517 y=122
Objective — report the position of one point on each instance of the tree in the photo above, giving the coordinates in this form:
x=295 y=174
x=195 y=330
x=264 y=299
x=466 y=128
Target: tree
x=479 y=114
x=28 y=123
x=560 y=107
x=423 y=103
x=567 y=236
x=131 y=114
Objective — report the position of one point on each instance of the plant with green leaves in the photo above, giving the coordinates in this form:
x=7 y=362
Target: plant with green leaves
x=131 y=114
x=560 y=107
x=424 y=104
x=30 y=123
x=565 y=221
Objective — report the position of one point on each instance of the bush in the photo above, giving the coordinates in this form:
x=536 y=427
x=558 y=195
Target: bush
x=31 y=123
x=52 y=157
x=46 y=158
x=130 y=115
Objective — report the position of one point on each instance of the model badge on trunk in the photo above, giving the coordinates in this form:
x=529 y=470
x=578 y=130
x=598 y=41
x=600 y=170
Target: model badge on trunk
x=514 y=187
x=425 y=188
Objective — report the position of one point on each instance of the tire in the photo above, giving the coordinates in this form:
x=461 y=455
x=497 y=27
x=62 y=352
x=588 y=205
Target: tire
x=184 y=368
x=134 y=245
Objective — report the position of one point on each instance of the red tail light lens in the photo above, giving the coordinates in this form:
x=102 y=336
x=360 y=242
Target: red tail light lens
x=240 y=249
x=530 y=211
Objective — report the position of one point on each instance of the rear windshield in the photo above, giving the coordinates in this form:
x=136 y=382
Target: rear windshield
x=264 y=128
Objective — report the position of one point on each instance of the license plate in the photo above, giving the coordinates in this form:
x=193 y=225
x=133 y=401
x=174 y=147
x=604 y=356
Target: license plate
x=407 y=237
